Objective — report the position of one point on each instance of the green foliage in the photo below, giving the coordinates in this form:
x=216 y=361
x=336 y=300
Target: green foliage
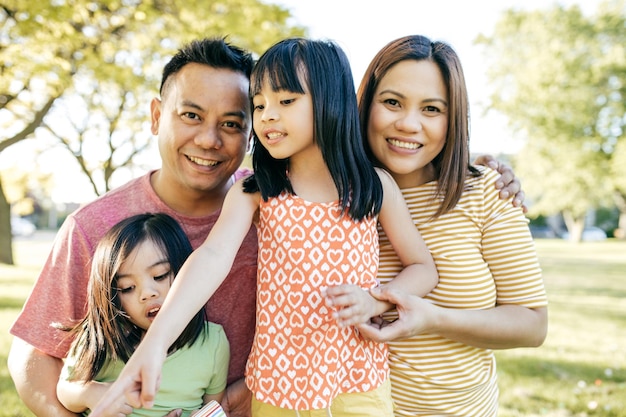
x=103 y=59
x=559 y=77
x=80 y=73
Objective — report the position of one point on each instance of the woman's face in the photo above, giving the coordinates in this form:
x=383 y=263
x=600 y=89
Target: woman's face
x=408 y=121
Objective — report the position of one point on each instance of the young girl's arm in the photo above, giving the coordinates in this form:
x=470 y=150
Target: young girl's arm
x=78 y=396
x=418 y=277
x=200 y=276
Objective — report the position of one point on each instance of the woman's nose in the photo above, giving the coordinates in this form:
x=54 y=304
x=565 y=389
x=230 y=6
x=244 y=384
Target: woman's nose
x=409 y=122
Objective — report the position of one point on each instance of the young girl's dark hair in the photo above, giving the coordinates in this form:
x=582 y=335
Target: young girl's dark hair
x=107 y=333
x=325 y=69
x=452 y=165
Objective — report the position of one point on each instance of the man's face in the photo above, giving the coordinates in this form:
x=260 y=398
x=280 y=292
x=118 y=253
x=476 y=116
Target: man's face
x=203 y=127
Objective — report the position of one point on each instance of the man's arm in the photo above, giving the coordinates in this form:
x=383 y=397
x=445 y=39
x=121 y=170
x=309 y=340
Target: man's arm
x=35 y=375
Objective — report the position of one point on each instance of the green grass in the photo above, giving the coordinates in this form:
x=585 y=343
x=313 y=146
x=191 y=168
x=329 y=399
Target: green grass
x=579 y=371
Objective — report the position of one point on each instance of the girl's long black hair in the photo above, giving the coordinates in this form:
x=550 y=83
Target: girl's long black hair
x=106 y=333
x=325 y=69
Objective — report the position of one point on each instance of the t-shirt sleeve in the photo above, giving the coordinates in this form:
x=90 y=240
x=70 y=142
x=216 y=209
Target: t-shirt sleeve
x=59 y=294
x=509 y=250
x=221 y=356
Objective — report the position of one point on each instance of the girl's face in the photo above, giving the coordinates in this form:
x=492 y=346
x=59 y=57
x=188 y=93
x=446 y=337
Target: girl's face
x=143 y=281
x=283 y=122
x=408 y=121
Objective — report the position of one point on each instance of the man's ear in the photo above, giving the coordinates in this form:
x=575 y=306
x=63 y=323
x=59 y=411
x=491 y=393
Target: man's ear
x=249 y=145
x=155 y=114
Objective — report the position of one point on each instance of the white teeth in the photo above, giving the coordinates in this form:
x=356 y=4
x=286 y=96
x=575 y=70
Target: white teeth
x=202 y=162
x=274 y=135
x=405 y=145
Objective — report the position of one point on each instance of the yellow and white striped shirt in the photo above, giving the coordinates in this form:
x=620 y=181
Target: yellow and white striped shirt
x=485 y=256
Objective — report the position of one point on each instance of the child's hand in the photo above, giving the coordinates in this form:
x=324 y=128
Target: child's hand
x=352 y=304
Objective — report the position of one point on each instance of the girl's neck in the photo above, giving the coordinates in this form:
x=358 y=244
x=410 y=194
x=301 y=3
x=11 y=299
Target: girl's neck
x=311 y=180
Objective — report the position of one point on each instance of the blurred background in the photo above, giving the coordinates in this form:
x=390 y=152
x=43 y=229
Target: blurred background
x=546 y=81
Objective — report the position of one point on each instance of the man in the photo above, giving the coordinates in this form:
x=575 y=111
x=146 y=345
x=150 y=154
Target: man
x=203 y=124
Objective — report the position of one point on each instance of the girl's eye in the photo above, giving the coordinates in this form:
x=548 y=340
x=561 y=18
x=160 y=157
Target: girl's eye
x=125 y=290
x=288 y=101
x=431 y=109
x=163 y=276
x=258 y=107
x=392 y=102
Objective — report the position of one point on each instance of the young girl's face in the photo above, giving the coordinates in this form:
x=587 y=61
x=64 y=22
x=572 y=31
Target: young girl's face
x=143 y=281
x=408 y=121
x=283 y=121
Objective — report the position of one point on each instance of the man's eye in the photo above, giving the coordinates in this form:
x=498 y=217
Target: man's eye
x=190 y=115
x=232 y=125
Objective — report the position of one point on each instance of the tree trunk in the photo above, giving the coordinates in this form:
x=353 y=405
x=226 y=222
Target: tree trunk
x=6 y=237
x=620 y=202
x=575 y=226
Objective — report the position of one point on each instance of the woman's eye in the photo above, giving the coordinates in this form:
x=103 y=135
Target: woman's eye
x=431 y=109
x=391 y=102
x=288 y=101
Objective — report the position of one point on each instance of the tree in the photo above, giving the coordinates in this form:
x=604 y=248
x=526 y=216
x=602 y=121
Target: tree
x=107 y=55
x=559 y=76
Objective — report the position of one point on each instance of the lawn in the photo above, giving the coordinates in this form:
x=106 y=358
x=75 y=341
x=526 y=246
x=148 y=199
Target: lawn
x=579 y=371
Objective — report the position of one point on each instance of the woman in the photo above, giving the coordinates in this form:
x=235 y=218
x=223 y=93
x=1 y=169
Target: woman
x=415 y=119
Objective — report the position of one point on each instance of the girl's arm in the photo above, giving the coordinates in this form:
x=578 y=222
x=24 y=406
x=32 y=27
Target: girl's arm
x=78 y=396
x=419 y=275
x=200 y=276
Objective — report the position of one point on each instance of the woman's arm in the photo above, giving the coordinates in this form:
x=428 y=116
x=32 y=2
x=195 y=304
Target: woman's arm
x=501 y=327
x=200 y=276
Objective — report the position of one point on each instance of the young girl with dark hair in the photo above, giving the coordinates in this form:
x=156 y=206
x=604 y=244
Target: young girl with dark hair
x=133 y=268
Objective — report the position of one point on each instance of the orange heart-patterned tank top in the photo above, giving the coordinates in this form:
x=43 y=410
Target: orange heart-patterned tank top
x=301 y=359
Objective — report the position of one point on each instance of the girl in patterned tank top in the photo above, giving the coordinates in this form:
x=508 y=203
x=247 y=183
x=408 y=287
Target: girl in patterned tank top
x=316 y=201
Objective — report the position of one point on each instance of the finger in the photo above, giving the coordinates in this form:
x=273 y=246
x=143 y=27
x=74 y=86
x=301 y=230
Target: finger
x=518 y=201
x=149 y=386
x=386 y=294
x=338 y=290
x=486 y=160
x=127 y=409
x=505 y=178
x=370 y=332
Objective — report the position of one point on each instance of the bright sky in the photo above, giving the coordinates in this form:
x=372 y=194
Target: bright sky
x=361 y=28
